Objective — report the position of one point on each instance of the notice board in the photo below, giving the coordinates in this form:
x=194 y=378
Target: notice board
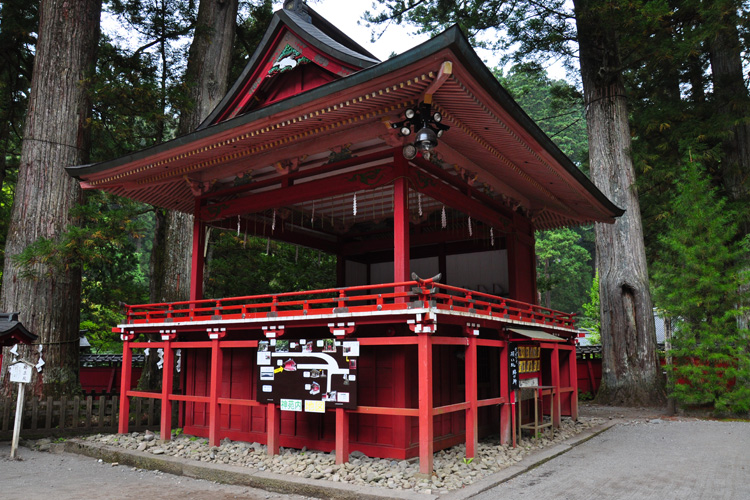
x=308 y=375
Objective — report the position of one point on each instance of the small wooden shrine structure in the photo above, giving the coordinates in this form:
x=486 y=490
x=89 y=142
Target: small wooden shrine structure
x=420 y=164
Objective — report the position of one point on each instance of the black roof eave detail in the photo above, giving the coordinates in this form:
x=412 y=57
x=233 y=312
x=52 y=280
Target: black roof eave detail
x=452 y=38
x=11 y=327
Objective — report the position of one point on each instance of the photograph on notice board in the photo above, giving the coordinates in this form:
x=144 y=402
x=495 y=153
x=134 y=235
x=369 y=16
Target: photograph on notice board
x=282 y=346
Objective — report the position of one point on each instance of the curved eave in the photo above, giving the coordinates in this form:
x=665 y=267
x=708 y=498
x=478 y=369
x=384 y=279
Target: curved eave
x=490 y=132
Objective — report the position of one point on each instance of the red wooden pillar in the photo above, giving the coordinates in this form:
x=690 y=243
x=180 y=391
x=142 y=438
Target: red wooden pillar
x=426 y=445
x=555 y=369
x=273 y=425
x=401 y=222
x=470 y=376
x=196 y=269
x=214 y=415
x=127 y=366
x=342 y=436
x=505 y=409
x=573 y=370
x=167 y=377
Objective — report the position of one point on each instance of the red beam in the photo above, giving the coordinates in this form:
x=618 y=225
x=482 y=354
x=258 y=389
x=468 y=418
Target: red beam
x=388 y=341
x=239 y=402
x=302 y=174
x=450 y=341
x=349 y=182
x=189 y=399
x=228 y=344
x=442 y=410
x=448 y=195
x=382 y=410
x=144 y=394
x=490 y=402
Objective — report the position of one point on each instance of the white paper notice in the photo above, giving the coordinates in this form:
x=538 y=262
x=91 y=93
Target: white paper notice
x=264 y=358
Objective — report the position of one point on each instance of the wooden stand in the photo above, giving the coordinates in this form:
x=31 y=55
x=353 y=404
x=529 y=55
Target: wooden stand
x=539 y=391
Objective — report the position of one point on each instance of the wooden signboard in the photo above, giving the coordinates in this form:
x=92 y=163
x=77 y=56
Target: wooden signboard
x=513 y=366
x=529 y=359
x=308 y=375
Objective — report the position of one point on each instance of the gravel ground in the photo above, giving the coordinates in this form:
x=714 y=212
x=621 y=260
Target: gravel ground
x=452 y=471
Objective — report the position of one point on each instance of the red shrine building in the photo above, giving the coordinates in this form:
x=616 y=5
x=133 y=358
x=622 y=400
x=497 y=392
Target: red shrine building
x=427 y=181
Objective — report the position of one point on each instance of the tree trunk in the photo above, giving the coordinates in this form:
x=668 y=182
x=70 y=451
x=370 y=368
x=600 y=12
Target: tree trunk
x=206 y=82
x=55 y=136
x=733 y=103
x=631 y=374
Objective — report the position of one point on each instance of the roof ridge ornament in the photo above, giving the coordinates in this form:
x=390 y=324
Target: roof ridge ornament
x=299 y=7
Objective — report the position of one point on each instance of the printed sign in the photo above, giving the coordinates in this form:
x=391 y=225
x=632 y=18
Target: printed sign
x=290 y=405
x=20 y=372
x=320 y=372
x=315 y=406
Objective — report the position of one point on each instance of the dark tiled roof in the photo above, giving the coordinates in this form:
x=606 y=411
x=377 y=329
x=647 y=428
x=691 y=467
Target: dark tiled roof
x=12 y=331
x=108 y=358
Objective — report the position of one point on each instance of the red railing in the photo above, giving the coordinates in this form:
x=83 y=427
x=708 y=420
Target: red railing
x=356 y=299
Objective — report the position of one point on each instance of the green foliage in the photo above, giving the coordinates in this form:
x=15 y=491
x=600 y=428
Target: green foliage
x=563 y=269
x=253 y=19
x=237 y=268
x=126 y=103
x=591 y=319
x=697 y=278
x=109 y=246
x=555 y=105
x=563 y=255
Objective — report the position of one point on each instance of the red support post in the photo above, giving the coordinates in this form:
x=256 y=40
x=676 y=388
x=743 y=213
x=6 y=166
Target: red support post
x=573 y=369
x=273 y=426
x=196 y=269
x=342 y=436
x=127 y=362
x=426 y=444
x=214 y=415
x=470 y=367
x=555 y=369
x=401 y=222
x=166 y=389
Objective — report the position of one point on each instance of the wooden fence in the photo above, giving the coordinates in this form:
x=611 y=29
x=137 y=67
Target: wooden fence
x=68 y=416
